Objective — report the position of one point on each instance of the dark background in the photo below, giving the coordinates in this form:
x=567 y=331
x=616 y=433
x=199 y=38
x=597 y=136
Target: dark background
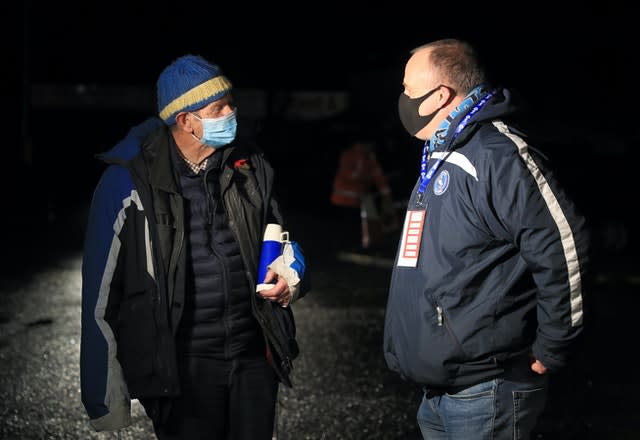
x=84 y=73
x=77 y=75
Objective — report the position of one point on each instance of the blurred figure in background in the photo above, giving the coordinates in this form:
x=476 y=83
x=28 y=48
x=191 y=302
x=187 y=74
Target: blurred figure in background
x=362 y=194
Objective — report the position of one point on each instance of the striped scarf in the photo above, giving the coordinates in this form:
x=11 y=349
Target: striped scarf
x=440 y=134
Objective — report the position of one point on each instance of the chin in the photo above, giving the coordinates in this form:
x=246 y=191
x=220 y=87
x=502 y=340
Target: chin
x=423 y=135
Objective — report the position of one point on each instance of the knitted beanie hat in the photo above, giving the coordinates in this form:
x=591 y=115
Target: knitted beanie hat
x=187 y=84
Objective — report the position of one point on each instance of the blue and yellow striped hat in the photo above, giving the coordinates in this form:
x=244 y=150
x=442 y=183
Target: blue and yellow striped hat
x=187 y=84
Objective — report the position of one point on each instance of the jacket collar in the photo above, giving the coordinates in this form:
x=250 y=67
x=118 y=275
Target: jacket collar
x=156 y=152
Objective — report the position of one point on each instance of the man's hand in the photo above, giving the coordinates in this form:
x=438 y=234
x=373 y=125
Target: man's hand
x=280 y=292
x=537 y=367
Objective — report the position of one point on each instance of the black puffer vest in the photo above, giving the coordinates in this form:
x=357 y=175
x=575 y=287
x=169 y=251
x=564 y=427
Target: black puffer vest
x=217 y=321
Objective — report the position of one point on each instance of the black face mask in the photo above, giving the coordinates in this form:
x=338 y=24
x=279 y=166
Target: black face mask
x=412 y=121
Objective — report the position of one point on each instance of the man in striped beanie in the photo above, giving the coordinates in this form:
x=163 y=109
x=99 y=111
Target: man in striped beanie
x=188 y=84
x=171 y=315
x=194 y=95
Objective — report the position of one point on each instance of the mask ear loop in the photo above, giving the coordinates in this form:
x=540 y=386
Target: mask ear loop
x=193 y=130
x=452 y=95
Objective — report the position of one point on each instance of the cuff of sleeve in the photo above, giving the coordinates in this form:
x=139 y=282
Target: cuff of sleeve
x=118 y=418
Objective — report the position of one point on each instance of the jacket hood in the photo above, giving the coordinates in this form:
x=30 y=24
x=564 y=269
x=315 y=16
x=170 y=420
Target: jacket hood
x=127 y=148
x=504 y=104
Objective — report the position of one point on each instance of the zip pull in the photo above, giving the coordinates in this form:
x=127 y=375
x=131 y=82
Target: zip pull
x=440 y=318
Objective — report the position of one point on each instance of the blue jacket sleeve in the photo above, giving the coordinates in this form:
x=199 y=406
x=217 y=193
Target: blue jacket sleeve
x=103 y=390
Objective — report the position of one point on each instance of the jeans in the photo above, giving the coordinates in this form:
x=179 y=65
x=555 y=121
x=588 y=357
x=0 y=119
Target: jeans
x=504 y=408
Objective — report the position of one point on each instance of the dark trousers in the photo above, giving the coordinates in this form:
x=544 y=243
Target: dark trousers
x=223 y=400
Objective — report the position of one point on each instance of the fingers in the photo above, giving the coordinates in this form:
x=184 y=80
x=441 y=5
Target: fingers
x=538 y=367
x=269 y=277
x=279 y=293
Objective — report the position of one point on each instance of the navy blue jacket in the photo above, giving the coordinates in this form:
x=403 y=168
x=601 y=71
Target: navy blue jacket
x=502 y=259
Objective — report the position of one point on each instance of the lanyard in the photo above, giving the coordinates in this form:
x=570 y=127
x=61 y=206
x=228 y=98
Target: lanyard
x=425 y=176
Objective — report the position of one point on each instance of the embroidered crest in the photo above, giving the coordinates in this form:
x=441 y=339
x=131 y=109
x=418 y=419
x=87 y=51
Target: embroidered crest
x=442 y=183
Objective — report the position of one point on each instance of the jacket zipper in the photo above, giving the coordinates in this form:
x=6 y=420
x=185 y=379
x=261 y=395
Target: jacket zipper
x=211 y=218
x=442 y=321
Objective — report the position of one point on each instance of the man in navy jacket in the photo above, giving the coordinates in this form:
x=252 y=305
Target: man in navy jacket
x=486 y=296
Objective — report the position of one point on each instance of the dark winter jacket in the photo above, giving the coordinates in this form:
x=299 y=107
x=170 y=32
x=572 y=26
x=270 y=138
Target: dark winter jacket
x=501 y=262
x=133 y=270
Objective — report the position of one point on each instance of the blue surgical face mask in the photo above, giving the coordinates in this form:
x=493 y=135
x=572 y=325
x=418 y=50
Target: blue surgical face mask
x=217 y=132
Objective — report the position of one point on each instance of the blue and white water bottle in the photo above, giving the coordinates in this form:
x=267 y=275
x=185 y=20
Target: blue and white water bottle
x=271 y=249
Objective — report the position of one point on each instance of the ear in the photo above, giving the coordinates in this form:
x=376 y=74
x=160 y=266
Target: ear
x=445 y=96
x=183 y=122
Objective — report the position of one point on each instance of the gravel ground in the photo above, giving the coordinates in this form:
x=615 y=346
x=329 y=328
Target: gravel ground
x=342 y=388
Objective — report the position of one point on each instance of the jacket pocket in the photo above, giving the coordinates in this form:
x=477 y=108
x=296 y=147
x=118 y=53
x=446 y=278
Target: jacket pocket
x=136 y=333
x=287 y=330
x=279 y=328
